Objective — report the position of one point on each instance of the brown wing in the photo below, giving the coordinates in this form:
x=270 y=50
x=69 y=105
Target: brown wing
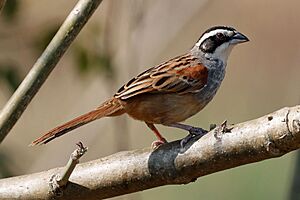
x=180 y=75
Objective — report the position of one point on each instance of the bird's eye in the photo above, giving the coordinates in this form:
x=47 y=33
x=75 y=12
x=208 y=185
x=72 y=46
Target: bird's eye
x=220 y=36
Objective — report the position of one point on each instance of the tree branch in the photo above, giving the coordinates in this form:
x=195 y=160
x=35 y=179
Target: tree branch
x=16 y=105
x=267 y=137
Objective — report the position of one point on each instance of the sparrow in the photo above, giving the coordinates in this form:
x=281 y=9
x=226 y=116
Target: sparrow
x=170 y=92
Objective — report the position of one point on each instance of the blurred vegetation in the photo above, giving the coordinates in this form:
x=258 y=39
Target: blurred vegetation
x=10 y=75
x=93 y=57
x=89 y=61
x=44 y=38
x=5 y=167
x=9 y=71
x=10 y=10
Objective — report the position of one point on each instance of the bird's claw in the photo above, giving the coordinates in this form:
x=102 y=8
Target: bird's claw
x=155 y=144
x=193 y=132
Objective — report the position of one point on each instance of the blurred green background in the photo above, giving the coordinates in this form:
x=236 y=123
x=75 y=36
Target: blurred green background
x=125 y=37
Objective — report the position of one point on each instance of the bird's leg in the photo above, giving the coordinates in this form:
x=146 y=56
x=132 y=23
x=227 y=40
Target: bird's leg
x=193 y=131
x=161 y=140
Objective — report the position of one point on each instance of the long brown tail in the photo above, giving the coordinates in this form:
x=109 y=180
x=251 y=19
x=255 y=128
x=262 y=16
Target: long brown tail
x=111 y=107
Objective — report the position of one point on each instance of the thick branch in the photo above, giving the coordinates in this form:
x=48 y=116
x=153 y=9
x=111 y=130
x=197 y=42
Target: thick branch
x=270 y=136
x=45 y=64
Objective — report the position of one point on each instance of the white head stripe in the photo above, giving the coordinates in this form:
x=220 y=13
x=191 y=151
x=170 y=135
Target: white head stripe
x=211 y=33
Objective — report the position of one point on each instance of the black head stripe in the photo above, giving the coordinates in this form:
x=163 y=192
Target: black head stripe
x=210 y=44
x=218 y=27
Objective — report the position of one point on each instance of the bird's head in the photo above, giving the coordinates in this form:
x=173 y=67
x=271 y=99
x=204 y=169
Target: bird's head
x=217 y=42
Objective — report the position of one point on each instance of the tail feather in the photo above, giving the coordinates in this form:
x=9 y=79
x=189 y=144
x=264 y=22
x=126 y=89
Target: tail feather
x=111 y=107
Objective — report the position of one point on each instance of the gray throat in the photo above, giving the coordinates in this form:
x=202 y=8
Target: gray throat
x=216 y=73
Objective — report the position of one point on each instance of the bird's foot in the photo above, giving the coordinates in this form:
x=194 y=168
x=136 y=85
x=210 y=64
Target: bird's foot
x=155 y=144
x=193 y=132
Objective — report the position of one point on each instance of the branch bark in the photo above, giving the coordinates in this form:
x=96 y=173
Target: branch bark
x=16 y=105
x=267 y=137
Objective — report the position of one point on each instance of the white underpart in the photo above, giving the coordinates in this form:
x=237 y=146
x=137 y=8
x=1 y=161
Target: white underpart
x=222 y=52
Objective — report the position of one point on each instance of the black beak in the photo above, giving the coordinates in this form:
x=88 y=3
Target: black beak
x=239 y=38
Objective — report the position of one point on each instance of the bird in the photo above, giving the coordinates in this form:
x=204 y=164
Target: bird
x=170 y=92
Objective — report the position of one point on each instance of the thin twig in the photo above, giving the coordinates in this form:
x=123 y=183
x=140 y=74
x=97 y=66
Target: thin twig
x=59 y=181
x=131 y=171
x=45 y=64
x=73 y=161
